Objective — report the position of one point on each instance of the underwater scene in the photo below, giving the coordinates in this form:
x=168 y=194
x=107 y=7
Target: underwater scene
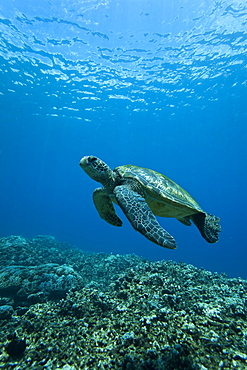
x=123 y=151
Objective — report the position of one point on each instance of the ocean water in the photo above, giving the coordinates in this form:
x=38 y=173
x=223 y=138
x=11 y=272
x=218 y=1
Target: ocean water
x=158 y=84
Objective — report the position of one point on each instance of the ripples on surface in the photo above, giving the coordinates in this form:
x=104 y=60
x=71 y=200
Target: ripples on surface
x=81 y=54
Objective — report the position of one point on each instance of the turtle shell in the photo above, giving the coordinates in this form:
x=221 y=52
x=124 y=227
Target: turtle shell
x=164 y=196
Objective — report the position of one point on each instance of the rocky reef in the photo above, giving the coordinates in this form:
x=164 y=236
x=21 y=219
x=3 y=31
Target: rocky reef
x=62 y=308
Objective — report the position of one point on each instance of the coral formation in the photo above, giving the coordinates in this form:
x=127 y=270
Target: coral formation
x=76 y=310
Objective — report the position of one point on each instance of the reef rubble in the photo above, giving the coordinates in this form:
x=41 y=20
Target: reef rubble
x=63 y=308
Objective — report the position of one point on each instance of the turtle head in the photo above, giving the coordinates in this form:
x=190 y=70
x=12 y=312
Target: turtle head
x=98 y=170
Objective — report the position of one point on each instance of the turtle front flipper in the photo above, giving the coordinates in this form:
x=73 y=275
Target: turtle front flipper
x=208 y=226
x=104 y=206
x=141 y=217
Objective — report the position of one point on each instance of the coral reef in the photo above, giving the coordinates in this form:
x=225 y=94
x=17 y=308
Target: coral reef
x=61 y=308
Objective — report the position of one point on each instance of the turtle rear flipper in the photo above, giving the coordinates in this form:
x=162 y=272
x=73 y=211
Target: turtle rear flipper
x=104 y=206
x=141 y=217
x=208 y=226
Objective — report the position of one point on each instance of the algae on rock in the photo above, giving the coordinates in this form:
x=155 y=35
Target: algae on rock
x=96 y=311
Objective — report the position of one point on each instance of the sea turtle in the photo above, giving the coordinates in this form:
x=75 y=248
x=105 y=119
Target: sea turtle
x=142 y=193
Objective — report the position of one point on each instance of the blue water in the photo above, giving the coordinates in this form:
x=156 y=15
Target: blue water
x=159 y=84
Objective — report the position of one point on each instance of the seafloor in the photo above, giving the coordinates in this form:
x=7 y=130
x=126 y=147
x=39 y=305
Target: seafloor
x=61 y=308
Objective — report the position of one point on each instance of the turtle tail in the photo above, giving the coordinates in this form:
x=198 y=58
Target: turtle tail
x=208 y=225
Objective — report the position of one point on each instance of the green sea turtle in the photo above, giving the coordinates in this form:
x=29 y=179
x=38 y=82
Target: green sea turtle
x=142 y=193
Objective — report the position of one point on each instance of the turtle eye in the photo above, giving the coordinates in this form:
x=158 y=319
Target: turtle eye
x=92 y=159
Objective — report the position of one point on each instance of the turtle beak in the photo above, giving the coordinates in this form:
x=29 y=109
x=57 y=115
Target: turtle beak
x=88 y=160
x=84 y=162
